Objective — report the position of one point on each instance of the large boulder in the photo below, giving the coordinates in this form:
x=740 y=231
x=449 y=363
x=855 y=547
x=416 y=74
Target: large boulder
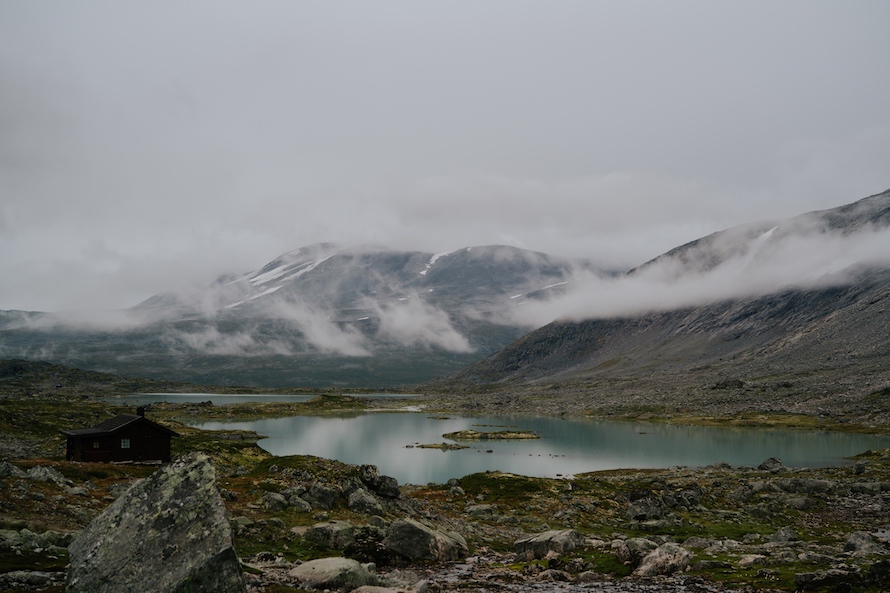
x=541 y=544
x=168 y=533
x=415 y=541
x=335 y=535
x=333 y=573
x=362 y=501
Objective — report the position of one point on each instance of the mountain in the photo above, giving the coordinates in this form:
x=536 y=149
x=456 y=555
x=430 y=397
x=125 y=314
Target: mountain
x=808 y=328
x=322 y=315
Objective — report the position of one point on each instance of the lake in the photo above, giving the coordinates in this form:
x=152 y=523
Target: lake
x=389 y=441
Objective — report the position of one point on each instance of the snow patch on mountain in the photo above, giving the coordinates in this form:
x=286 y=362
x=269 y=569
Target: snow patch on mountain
x=433 y=261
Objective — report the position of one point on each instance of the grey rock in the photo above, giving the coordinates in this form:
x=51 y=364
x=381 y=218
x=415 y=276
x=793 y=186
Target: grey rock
x=385 y=486
x=43 y=473
x=333 y=573
x=785 y=534
x=168 y=534
x=335 y=535
x=665 y=559
x=703 y=565
x=823 y=578
x=541 y=544
x=861 y=543
x=362 y=501
x=274 y=501
x=8 y=470
x=415 y=541
x=299 y=504
x=322 y=496
x=771 y=465
x=645 y=509
x=30 y=580
x=632 y=550
x=480 y=511
x=552 y=575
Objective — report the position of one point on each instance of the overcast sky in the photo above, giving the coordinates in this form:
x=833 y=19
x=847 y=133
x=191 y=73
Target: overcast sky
x=144 y=145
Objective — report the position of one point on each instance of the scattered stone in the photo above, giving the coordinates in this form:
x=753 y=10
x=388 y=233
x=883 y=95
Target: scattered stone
x=541 y=544
x=167 y=533
x=30 y=580
x=333 y=573
x=416 y=542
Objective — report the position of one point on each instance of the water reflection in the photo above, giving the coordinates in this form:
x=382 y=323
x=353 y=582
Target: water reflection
x=389 y=441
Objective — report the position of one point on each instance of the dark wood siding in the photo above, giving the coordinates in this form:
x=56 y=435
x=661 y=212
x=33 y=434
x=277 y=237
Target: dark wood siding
x=137 y=441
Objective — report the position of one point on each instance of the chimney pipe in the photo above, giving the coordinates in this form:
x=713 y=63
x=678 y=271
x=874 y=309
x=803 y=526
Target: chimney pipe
x=140 y=411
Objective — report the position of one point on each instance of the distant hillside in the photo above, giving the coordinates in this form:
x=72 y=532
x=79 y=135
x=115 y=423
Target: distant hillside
x=322 y=315
x=26 y=378
x=817 y=346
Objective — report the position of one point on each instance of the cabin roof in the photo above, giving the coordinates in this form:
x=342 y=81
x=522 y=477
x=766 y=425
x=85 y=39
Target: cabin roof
x=115 y=424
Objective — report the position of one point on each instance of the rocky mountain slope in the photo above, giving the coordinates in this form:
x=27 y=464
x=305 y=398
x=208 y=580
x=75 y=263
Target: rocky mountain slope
x=814 y=342
x=323 y=315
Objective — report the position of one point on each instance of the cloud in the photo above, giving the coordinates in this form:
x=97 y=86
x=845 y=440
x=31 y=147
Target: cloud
x=147 y=145
x=769 y=262
x=414 y=322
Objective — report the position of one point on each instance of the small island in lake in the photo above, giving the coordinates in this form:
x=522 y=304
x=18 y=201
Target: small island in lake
x=443 y=446
x=475 y=435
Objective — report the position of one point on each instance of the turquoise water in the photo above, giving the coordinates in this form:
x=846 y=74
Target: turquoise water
x=566 y=447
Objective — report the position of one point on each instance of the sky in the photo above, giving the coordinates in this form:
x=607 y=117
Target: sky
x=149 y=145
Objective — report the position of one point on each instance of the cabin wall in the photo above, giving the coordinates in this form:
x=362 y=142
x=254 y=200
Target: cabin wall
x=138 y=442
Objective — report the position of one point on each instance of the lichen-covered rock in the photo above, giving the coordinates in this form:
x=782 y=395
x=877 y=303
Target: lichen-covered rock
x=632 y=550
x=335 y=535
x=771 y=465
x=362 y=501
x=43 y=473
x=665 y=559
x=168 y=534
x=540 y=544
x=9 y=470
x=861 y=543
x=333 y=573
x=415 y=541
x=322 y=496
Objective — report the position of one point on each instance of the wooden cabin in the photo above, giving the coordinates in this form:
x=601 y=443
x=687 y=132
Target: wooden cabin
x=127 y=437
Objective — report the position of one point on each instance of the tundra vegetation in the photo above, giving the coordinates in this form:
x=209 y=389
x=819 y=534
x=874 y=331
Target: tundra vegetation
x=718 y=527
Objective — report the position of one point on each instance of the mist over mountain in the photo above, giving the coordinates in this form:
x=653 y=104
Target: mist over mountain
x=779 y=314
x=319 y=315
x=780 y=297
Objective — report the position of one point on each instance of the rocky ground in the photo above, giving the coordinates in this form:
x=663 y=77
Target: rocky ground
x=682 y=529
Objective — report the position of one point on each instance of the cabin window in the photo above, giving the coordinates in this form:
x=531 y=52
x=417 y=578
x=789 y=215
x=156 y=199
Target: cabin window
x=125 y=443
x=95 y=444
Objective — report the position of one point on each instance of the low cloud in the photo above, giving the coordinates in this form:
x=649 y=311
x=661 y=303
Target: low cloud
x=411 y=321
x=767 y=263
